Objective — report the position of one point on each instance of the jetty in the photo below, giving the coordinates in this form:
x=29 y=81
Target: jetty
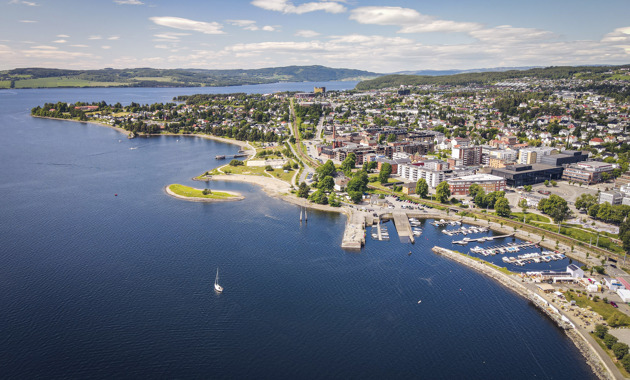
x=354 y=234
x=481 y=239
x=466 y=231
x=501 y=249
x=403 y=227
x=223 y=156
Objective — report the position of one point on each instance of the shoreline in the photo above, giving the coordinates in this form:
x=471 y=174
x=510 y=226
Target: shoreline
x=237 y=196
x=593 y=358
x=123 y=131
x=242 y=144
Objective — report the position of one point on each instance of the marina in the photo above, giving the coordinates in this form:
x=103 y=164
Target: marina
x=501 y=249
x=466 y=231
x=534 y=257
x=466 y=240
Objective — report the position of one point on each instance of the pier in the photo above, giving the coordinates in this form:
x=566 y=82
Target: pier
x=504 y=248
x=481 y=239
x=401 y=220
x=223 y=156
x=354 y=234
x=465 y=231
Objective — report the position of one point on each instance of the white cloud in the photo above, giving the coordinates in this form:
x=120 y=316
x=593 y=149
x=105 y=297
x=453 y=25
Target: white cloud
x=306 y=33
x=106 y=47
x=95 y=38
x=507 y=34
x=170 y=37
x=269 y=28
x=113 y=38
x=245 y=24
x=128 y=2
x=28 y=3
x=63 y=36
x=28 y=21
x=79 y=46
x=409 y=20
x=286 y=6
x=186 y=24
x=61 y=41
x=619 y=35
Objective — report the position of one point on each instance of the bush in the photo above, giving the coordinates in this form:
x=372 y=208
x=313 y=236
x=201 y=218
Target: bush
x=620 y=350
x=268 y=168
x=236 y=163
x=609 y=340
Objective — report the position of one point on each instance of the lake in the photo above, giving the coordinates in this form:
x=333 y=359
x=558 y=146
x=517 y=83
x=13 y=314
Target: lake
x=99 y=285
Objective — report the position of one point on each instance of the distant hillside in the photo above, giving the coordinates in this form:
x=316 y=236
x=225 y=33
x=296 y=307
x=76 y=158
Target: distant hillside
x=457 y=71
x=554 y=72
x=148 y=77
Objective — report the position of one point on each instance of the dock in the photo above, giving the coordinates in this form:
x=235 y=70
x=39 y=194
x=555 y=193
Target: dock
x=354 y=234
x=223 y=156
x=401 y=221
x=504 y=248
x=466 y=231
x=481 y=239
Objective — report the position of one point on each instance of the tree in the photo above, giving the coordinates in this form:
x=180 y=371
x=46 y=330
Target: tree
x=303 y=190
x=326 y=184
x=236 y=163
x=626 y=362
x=502 y=206
x=358 y=183
x=474 y=189
x=443 y=192
x=422 y=188
x=391 y=137
x=268 y=168
x=348 y=164
x=355 y=196
x=319 y=197
x=554 y=206
x=528 y=188
x=609 y=340
x=328 y=169
x=524 y=206
x=547 y=183
x=585 y=201
x=600 y=331
x=386 y=171
x=620 y=350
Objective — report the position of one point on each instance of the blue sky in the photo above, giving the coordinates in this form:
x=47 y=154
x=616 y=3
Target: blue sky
x=382 y=36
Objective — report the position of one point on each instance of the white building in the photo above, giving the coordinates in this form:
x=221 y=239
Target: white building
x=575 y=271
x=414 y=173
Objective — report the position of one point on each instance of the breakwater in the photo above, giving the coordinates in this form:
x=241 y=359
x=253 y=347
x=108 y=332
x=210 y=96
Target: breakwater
x=594 y=360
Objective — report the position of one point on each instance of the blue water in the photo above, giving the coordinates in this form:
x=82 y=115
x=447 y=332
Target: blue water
x=102 y=286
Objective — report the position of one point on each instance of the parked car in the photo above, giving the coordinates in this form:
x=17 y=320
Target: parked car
x=613 y=304
x=544 y=192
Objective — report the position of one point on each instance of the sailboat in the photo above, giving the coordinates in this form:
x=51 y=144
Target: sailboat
x=300 y=214
x=217 y=288
x=305 y=216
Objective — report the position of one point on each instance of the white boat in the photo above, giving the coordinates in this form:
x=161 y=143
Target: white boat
x=217 y=288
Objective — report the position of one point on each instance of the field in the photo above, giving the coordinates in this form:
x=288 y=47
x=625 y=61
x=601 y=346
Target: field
x=62 y=82
x=191 y=192
x=154 y=79
x=5 y=83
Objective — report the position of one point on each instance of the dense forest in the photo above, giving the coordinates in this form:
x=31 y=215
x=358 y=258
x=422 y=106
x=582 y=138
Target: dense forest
x=148 y=77
x=556 y=72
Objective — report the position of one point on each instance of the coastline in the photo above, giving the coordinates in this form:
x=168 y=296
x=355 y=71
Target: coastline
x=589 y=351
x=237 y=196
x=123 y=131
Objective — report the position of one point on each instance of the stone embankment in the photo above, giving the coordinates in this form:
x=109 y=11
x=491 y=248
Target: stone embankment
x=588 y=351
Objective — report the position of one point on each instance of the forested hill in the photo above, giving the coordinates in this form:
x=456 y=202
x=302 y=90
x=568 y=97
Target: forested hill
x=147 y=77
x=555 y=72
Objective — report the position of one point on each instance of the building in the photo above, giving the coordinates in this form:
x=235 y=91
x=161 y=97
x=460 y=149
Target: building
x=575 y=271
x=565 y=158
x=612 y=197
x=489 y=183
x=522 y=175
x=414 y=173
x=588 y=172
x=534 y=155
x=613 y=284
x=469 y=155
x=319 y=90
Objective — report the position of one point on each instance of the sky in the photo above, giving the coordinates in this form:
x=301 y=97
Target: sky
x=381 y=36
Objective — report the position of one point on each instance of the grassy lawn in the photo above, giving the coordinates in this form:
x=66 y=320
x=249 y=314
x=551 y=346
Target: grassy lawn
x=279 y=173
x=530 y=217
x=248 y=170
x=613 y=316
x=5 y=83
x=191 y=192
x=583 y=236
x=62 y=82
x=154 y=79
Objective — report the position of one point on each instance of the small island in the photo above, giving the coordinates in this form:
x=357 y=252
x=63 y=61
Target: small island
x=201 y=195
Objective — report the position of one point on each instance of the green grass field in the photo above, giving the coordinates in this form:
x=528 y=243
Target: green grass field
x=5 y=84
x=62 y=82
x=191 y=192
x=612 y=315
x=154 y=79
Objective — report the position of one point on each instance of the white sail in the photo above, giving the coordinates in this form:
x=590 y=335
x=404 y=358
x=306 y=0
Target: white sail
x=217 y=288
